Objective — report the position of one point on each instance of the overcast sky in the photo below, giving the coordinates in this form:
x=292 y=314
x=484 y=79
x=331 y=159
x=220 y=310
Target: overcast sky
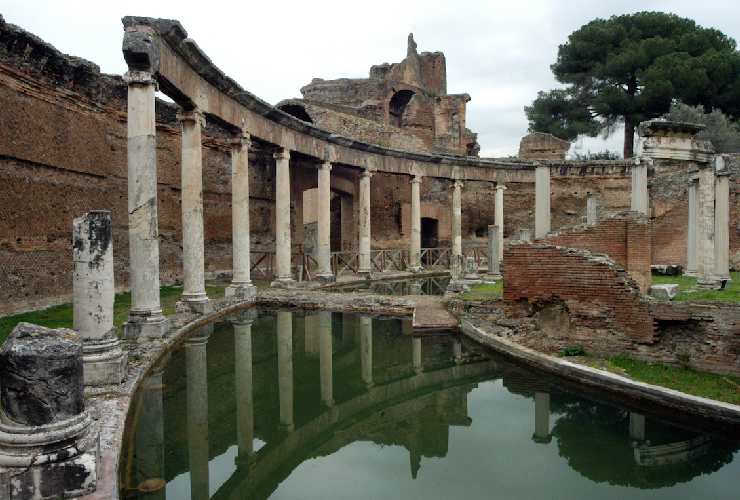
x=497 y=51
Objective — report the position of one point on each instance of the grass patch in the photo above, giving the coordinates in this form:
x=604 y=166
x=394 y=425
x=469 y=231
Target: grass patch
x=709 y=385
x=687 y=290
x=484 y=291
x=61 y=316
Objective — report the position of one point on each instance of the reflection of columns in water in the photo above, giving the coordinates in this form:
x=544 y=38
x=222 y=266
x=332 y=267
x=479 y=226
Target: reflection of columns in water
x=196 y=364
x=150 y=434
x=416 y=354
x=243 y=381
x=366 y=349
x=325 y=358
x=541 y=417
x=457 y=350
x=285 y=367
x=637 y=426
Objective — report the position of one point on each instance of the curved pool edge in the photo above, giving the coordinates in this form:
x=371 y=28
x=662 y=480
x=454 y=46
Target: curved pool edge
x=625 y=389
x=111 y=406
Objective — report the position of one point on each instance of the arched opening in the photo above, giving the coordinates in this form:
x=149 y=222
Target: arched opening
x=296 y=110
x=397 y=106
x=429 y=232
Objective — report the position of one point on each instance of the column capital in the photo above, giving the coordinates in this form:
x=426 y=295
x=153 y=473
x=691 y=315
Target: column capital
x=325 y=165
x=194 y=115
x=457 y=184
x=242 y=140
x=416 y=179
x=282 y=154
x=366 y=173
x=137 y=77
x=501 y=187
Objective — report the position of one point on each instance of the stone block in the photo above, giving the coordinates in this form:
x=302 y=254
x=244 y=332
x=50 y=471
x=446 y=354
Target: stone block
x=664 y=292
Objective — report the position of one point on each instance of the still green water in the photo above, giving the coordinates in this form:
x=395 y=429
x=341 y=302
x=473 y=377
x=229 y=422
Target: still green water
x=336 y=406
x=436 y=285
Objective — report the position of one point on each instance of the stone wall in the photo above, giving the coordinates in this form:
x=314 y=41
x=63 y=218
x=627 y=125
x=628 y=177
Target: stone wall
x=577 y=297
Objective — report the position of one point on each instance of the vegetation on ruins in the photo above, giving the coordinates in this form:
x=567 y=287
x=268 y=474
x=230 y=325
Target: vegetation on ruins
x=720 y=129
x=631 y=68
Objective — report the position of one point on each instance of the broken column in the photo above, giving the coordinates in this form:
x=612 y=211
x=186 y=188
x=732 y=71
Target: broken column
x=639 y=200
x=241 y=282
x=691 y=265
x=145 y=317
x=284 y=275
x=456 y=255
x=323 y=231
x=48 y=442
x=541 y=201
x=364 y=223
x=194 y=296
x=93 y=288
x=494 y=269
x=592 y=209
x=499 y=219
x=415 y=239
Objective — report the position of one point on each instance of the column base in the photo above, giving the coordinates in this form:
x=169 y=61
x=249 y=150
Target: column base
x=152 y=326
x=415 y=269
x=491 y=278
x=104 y=362
x=243 y=291
x=456 y=286
x=708 y=283
x=199 y=306
x=283 y=283
x=326 y=278
x=690 y=274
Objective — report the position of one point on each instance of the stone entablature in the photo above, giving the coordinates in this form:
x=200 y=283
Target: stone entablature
x=660 y=139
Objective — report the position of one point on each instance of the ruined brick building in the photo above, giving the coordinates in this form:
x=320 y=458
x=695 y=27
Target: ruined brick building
x=403 y=105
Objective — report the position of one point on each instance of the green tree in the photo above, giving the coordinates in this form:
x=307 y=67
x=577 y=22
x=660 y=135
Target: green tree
x=631 y=68
x=721 y=130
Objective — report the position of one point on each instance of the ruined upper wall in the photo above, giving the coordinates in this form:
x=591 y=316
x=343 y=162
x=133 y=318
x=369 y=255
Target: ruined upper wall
x=542 y=146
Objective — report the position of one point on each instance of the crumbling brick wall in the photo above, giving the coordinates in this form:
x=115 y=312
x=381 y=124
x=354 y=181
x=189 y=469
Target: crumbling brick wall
x=595 y=301
x=625 y=238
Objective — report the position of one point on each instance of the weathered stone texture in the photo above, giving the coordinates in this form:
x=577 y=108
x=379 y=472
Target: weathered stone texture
x=542 y=146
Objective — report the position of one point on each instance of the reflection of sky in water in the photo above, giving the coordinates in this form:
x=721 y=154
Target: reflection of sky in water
x=494 y=458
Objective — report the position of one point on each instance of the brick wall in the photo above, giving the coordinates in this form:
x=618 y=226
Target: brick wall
x=603 y=308
x=625 y=238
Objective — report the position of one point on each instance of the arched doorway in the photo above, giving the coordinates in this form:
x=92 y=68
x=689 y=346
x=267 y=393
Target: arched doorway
x=397 y=105
x=429 y=232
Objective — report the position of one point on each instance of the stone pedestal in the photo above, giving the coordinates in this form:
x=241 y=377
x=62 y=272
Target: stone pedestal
x=194 y=296
x=541 y=201
x=323 y=229
x=49 y=445
x=499 y=207
x=415 y=237
x=365 y=267
x=284 y=274
x=93 y=288
x=241 y=286
x=145 y=317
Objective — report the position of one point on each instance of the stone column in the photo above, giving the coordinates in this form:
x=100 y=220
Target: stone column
x=494 y=269
x=145 y=317
x=705 y=225
x=284 y=274
x=416 y=359
x=196 y=365
x=364 y=223
x=366 y=350
x=639 y=200
x=92 y=284
x=456 y=222
x=500 y=188
x=722 y=225
x=194 y=295
x=241 y=282
x=592 y=209
x=541 y=201
x=415 y=239
x=323 y=230
x=325 y=358
x=285 y=368
x=691 y=264
x=243 y=382
x=541 y=417
x=637 y=426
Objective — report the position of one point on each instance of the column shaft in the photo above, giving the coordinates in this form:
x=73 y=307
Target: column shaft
x=416 y=355
x=197 y=413
x=324 y=223
x=499 y=207
x=722 y=226
x=191 y=179
x=364 y=223
x=366 y=349
x=592 y=215
x=639 y=201
x=705 y=228
x=691 y=241
x=285 y=367
x=282 y=217
x=243 y=382
x=145 y=316
x=541 y=417
x=415 y=240
x=325 y=358
x=457 y=220
x=241 y=281
x=542 y=201
x=494 y=269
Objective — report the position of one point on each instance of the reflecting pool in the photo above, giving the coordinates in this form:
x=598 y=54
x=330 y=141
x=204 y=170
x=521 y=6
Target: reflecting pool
x=334 y=406
x=435 y=285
